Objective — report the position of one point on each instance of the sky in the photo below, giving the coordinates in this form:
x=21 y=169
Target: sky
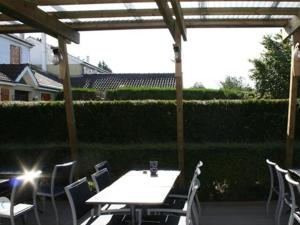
x=208 y=55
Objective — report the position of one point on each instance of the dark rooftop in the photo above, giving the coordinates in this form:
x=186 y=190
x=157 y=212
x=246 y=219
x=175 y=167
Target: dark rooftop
x=120 y=80
x=11 y=71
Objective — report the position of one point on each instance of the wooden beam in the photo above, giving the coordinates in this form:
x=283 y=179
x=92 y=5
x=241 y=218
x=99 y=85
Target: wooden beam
x=76 y=2
x=179 y=17
x=30 y=15
x=167 y=15
x=153 y=24
x=156 y=12
x=291 y=123
x=292 y=26
x=65 y=75
x=179 y=108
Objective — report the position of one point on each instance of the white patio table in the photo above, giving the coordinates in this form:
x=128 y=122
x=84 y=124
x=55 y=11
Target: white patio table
x=137 y=188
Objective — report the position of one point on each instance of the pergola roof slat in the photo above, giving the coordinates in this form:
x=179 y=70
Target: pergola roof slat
x=76 y=2
x=156 y=24
x=32 y=16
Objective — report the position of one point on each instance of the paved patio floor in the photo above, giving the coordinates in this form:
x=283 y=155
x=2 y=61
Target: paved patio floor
x=213 y=213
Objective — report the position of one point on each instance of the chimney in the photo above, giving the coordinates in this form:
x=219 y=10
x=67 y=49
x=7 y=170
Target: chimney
x=22 y=35
x=88 y=59
x=44 y=52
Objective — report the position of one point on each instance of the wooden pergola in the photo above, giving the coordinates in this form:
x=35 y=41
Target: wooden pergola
x=21 y=16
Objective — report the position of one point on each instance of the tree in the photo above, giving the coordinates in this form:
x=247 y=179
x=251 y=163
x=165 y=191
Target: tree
x=198 y=85
x=236 y=83
x=104 y=66
x=271 y=72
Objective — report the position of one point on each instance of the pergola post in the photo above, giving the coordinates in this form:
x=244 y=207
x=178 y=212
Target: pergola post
x=179 y=107
x=65 y=75
x=292 y=104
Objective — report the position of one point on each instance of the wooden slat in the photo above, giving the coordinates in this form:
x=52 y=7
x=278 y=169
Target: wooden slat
x=292 y=26
x=179 y=17
x=122 y=25
x=179 y=111
x=155 y=12
x=291 y=123
x=29 y=14
x=65 y=76
x=71 y=2
x=167 y=15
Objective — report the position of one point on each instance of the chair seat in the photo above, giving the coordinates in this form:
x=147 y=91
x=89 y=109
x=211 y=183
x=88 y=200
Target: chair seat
x=103 y=220
x=45 y=190
x=18 y=209
x=176 y=220
x=116 y=206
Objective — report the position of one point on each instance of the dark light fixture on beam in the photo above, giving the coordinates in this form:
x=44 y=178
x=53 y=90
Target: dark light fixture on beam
x=177 y=52
x=57 y=56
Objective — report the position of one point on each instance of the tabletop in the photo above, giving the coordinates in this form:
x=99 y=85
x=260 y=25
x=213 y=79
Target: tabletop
x=139 y=188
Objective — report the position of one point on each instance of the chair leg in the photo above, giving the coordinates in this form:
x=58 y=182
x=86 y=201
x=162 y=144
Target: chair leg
x=280 y=211
x=12 y=220
x=23 y=219
x=291 y=219
x=269 y=200
x=55 y=209
x=37 y=217
x=44 y=203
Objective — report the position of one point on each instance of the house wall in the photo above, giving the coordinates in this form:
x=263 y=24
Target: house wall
x=77 y=66
x=5 y=43
x=75 y=69
x=33 y=95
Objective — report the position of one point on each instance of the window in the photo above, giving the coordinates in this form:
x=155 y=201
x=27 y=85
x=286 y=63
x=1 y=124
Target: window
x=4 y=94
x=45 y=97
x=15 y=54
x=21 y=95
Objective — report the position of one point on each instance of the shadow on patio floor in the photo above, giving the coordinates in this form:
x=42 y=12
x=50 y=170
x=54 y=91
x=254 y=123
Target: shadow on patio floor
x=213 y=213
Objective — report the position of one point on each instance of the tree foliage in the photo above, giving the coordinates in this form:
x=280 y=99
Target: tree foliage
x=271 y=71
x=198 y=85
x=234 y=83
x=104 y=66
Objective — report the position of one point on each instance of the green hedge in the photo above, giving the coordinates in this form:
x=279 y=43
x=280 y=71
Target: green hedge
x=170 y=94
x=81 y=94
x=230 y=171
x=147 y=121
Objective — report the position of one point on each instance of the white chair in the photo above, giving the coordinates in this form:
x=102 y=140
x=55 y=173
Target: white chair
x=274 y=185
x=103 y=165
x=77 y=193
x=23 y=190
x=188 y=215
x=284 y=193
x=62 y=175
x=181 y=197
x=295 y=197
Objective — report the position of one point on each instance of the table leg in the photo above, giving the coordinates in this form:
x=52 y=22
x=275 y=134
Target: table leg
x=132 y=210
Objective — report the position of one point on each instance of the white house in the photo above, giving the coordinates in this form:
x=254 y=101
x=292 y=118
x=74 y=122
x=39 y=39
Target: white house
x=41 y=55
x=14 y=50
x=18 y=79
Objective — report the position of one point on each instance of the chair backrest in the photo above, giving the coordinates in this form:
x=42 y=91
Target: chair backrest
x=77 y=193
x=192 y=216
x=102 y=165
x=101 y=179
x=23 y=190
x=196 y=174
x=62 y=175
x=294 y=190
x=283 y=185
x=272 y=172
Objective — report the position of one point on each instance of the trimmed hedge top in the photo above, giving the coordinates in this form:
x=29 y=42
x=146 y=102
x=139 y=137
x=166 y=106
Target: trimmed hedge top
x=147 y=121
x=156 y=93
x=170 y=94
